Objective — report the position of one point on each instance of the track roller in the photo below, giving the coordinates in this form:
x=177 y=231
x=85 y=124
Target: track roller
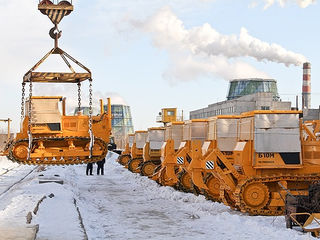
x=134 y=165
x=185 y=182
x=124 y=159
x=147 y=168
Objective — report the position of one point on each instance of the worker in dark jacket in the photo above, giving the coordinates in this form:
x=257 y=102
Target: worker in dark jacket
x=101 y=166
x=89 y=168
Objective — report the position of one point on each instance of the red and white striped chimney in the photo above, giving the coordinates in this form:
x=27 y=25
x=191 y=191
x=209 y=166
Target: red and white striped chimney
x=306 y=86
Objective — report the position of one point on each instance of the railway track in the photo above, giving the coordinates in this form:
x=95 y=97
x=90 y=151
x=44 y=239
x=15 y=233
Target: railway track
x=6 y=170
x=15 y=181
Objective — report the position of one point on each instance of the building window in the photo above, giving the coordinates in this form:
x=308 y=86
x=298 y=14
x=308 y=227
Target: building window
x=265 y=108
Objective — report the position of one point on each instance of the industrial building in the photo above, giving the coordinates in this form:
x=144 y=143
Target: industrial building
x=121 y=123
x=245 y=95
x=243 y=87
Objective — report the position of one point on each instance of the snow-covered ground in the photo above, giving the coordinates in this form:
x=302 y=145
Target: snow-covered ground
x=122 y=205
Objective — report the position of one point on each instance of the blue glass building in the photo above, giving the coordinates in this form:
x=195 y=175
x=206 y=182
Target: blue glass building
x=243 y=87
x=122 y=124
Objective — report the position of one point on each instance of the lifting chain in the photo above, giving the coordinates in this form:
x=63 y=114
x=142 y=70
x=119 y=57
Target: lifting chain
x=79 y=96
x=29 y=120
x=22 y=100
x=90 y=117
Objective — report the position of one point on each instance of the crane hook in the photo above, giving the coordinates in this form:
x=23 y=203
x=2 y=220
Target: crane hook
x=55 y=33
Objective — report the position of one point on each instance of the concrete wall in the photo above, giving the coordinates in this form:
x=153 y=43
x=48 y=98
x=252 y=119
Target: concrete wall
x=311 y=114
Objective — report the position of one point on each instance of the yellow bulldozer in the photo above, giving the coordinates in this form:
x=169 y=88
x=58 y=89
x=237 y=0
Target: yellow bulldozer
x=222 y=135
x=125 y=156
x=48 y=136
x=250 y=162
x=56 y=138
x=174 y=165
x=275 y=154
x=173 y=139
x=147 y=157
x=140 y=138
x=152 y=151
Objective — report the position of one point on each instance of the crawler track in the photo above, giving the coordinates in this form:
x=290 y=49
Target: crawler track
x=266 y=209
x=70 y=160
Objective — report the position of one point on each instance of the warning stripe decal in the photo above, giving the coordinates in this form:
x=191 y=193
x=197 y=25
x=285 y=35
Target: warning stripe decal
x=180 y=160
x=210 y=165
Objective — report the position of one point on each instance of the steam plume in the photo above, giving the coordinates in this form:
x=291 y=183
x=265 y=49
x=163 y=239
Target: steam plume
x=202 y=50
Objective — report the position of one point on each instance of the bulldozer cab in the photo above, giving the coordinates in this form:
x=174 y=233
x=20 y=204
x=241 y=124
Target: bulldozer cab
x=155 y=137
x=174 y=131
x=169 y=115
x=196 y=129
x=140 y=139
x=154 y=142
x=130 y=140
x=270 y=139
x=46 y=114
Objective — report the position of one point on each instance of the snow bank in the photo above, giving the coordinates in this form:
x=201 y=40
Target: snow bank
x=123 y=205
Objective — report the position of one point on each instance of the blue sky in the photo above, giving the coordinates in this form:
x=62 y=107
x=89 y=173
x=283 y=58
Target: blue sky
x=128 y=65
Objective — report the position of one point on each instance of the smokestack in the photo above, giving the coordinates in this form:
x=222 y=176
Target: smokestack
x=306 y=86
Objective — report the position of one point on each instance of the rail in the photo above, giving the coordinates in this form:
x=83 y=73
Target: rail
x=17 y=182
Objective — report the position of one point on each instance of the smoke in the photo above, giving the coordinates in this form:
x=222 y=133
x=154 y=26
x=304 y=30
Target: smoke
x=204 y=51
x=283 y=3
x=189 y=67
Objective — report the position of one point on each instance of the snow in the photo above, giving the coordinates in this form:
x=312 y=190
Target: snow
x=6 y=165
x=123 y=205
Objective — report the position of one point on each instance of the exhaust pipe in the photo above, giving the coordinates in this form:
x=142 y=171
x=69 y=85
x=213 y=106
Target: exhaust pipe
x=109 y=113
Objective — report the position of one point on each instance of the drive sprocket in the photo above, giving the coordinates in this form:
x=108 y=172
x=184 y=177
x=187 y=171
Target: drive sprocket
x=213 y=192
x=124 y=159
x=134 y=165
x=253 y=196
x=147 y=168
